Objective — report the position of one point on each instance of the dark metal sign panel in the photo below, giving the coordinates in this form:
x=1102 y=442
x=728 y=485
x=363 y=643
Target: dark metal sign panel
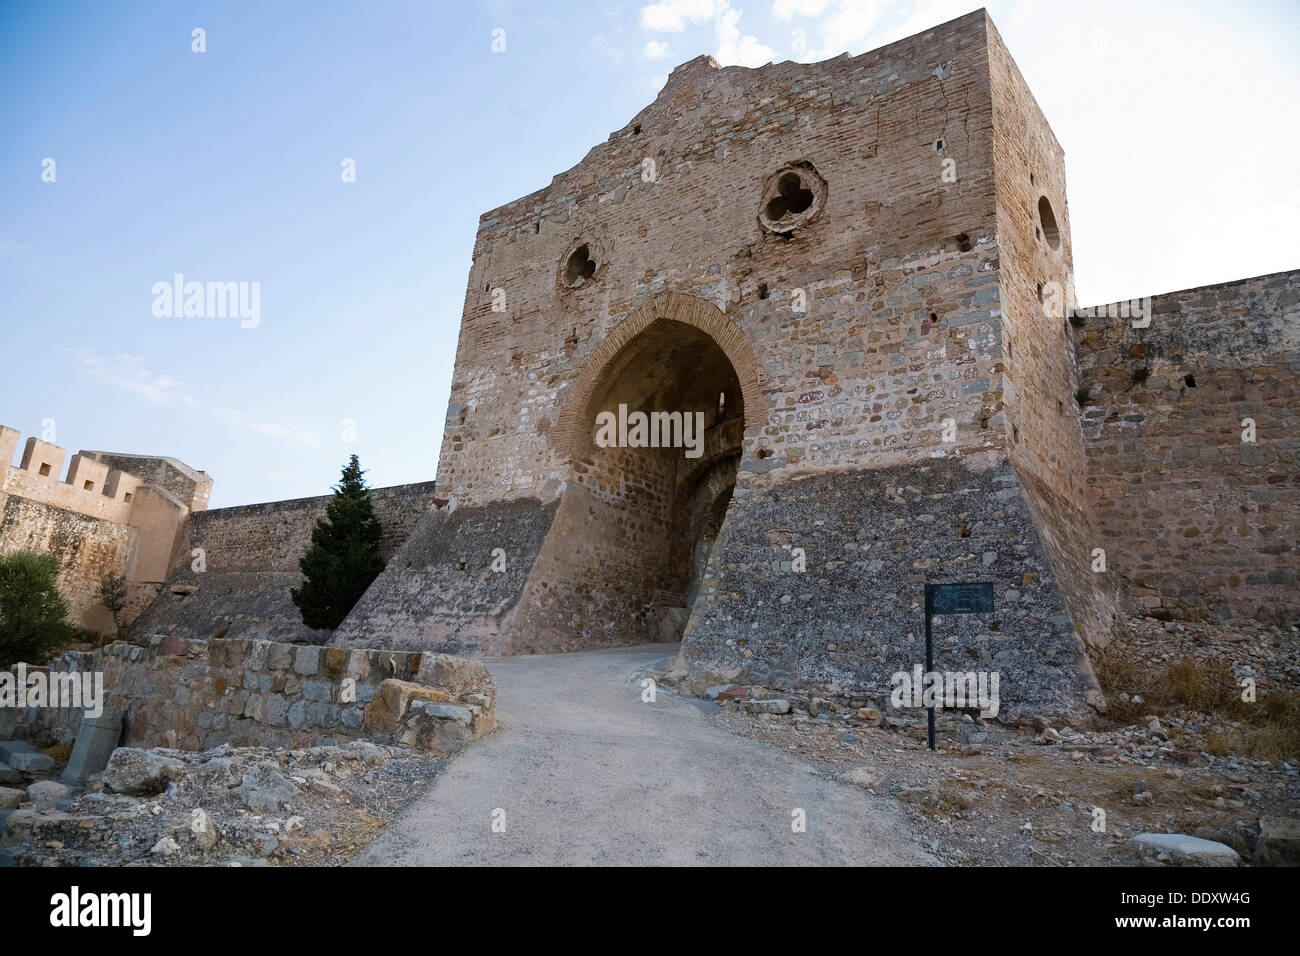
x=972 y=597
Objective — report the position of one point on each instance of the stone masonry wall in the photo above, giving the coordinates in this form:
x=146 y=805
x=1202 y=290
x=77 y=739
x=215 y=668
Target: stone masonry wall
x=86 y=549
x=871 y=336
x=1197 y=522
x=250 y=555
x=444 y=590
x=1036 y=276
x=899 y=270
x=196 y=695
x=872 y=540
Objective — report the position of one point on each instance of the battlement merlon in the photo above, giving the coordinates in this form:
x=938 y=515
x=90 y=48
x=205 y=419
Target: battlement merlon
x=189 y=486
x=100 y=484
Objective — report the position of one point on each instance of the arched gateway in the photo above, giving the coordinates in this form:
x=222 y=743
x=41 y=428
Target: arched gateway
x=652 y=431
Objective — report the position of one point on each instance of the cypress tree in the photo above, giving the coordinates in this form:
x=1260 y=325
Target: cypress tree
x=343 y=558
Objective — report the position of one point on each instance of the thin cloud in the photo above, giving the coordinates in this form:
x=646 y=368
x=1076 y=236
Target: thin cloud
x=129 y=373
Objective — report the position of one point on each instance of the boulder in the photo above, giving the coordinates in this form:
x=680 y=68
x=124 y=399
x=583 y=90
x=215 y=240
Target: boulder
x=46 y=793
x=202 y=829
x=1279 y=842
x=140 y=772
x=1187 y=850
x=773 y=705
x=458 y=676
x=22 y=756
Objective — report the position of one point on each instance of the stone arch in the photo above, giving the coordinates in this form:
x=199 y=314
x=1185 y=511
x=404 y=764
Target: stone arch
x=571 y=434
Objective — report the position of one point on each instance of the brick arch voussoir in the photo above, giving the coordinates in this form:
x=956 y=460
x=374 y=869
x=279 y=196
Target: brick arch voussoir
x=688 y=309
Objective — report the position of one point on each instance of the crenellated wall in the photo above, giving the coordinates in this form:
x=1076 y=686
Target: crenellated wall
x=144 y=520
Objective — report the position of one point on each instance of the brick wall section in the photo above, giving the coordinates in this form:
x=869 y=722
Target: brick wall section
x=1196 y=522
x=863 y=374
x=1042 y=426
x=251 y=555
x=263 y=694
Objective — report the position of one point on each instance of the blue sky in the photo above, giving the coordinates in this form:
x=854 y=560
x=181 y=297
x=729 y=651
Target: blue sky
x=226 y=166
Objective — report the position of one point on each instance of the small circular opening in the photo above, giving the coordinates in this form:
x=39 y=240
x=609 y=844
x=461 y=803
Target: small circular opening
x=791 y=199
x=580 y=267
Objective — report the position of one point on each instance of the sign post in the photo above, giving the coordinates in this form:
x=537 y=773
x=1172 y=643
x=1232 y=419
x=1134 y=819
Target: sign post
x=970 y=597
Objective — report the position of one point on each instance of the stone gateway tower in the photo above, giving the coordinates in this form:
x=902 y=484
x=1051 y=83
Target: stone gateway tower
x=856 y=274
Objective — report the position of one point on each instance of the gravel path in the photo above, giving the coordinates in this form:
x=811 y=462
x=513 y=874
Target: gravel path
x=588 y=773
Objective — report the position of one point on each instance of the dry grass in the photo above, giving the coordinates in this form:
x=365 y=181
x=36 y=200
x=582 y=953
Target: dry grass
x=1206 y=687
x=1271 y=733
x=59 y=752
x=1270 y=728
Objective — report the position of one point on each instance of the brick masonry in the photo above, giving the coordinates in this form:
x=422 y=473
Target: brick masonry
x=1198 y=522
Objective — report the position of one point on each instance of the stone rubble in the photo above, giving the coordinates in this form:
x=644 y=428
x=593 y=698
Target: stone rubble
x=227 y=806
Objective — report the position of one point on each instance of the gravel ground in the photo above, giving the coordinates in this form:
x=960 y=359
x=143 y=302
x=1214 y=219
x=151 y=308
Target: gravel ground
x=230 y=806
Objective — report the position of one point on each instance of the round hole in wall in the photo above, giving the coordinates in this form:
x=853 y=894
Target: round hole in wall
x=584 y=263
x=580 y=267
x=793 y=196
x=1047 y=219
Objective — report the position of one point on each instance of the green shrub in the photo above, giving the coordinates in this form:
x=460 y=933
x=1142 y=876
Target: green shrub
x=33 y=614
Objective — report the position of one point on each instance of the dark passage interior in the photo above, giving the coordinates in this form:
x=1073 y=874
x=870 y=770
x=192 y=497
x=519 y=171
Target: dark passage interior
x=630 y=542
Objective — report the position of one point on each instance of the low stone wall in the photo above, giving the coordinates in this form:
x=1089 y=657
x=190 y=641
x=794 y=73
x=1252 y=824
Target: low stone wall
x=196 y=695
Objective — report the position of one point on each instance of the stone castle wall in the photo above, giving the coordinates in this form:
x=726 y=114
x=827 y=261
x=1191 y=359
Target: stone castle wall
x=891 y=382
x=1042 y=428
x=249 y=558
x=98 y=501
x=855 y=339
x=86 y=548
x=1195 y=520
x=899 y=269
